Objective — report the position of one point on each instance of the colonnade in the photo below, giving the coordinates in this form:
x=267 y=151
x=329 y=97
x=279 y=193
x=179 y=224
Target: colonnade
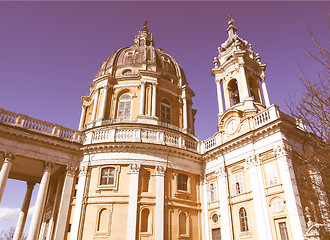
x=39 y=207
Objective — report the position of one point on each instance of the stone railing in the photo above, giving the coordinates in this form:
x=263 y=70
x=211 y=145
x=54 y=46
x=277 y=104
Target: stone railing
x=266 y=116
x=35 y=125
x=154 y=135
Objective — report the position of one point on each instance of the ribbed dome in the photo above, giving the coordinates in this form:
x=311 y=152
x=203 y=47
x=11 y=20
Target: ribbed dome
x=142 y=56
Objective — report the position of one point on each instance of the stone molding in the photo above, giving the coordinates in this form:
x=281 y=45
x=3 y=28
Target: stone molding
x=134 y=168
x=8 y=157
x=160 y=170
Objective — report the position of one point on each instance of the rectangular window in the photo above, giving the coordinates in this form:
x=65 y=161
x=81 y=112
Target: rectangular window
x=216 y=234
x=271 y=173
x=212 y=192
x=283 y=231
x=108 y=176
x=237 y=187
x=182 y=182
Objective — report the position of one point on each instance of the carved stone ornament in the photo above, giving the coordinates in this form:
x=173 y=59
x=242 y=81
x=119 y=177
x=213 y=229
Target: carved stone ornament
x=221 y=172
x=240 y=62
x=160 y=170
x=202 y=178
x=252 y=160
x=8 y=157
x=70 y=170
x=134 y=167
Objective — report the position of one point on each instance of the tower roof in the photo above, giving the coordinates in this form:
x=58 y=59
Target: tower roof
x=232 y=36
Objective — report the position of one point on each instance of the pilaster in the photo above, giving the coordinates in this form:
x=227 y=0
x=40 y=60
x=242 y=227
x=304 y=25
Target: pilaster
x=205 y=219
x=159 y=216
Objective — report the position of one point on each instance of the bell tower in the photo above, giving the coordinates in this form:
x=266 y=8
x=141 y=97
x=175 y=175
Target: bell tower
x=239 y=76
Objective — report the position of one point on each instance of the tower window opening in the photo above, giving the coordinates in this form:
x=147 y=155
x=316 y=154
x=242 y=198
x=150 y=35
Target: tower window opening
x=254 y=91
x=165 y=111
x=216 y=234
x=124 y=107
x=145 y=181
x=284 y=231
x=233 y=90
x=243 y=220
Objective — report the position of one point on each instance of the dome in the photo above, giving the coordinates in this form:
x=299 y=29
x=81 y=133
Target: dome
x=142 y=56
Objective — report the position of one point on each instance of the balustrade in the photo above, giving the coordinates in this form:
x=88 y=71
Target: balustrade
x=35 y=125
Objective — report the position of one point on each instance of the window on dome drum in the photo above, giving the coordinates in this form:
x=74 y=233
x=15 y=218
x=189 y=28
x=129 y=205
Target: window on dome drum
x=212 y=189
x=107 y=176
x=216 y=234
x=165 y=111
x=237 y=187
x=233 y=91
x=127 y=72
x=284 y=231
x=243 y=220
x=182 y=182
x=271 y=173
x=124 y=107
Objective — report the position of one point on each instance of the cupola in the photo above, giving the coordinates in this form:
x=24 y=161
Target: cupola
x=139 y=84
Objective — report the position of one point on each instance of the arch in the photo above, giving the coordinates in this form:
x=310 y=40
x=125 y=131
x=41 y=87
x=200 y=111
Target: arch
x=183 y=224
x=124 y=108
x=145 y=220
x=243 y=220
x=233 y=92
x=127 y=72
x=254 y=90
x=103 y=220
x=165 y=111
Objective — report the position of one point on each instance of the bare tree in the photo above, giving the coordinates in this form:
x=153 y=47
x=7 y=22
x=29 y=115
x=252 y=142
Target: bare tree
x=313 y=108
x=9 y=234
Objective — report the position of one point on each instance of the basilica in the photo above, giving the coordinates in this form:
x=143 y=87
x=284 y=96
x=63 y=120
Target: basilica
x=135 y=169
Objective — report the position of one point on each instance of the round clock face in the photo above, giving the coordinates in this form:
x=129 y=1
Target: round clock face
x=232 y=126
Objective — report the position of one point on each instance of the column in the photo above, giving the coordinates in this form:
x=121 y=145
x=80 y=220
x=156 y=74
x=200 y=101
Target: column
x=219 y=94
x=40 y=203
x=160 y=194
x=293 y=204
x=142 y=97
x=246 y=93
x=54 y=211
x=79 y=202
x=82 y=117
x=226 y=227
x=154 y=95
x=104 y=101
x=24 y=211
x=191 y=122
x=95 y=105
x=264 y=89
x=185 y=108
x=205 y=218
x=65 y=203
x=7 y=161
x=259 y=198
x=132 y=202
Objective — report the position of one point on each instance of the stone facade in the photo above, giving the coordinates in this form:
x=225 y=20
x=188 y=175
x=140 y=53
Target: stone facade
x=135 y=170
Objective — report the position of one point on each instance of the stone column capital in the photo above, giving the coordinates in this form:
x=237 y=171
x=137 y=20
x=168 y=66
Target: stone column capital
x=221 y=172
x=252 y=160
x=202 y=178
x=71 y=170
x=154 y=84
x=262 y=76
x=282 y=150
x=30 y=184
x=8 y=157
x=143 y=81
x=83 y=170
x=134 y=168
x=241 y=62
x=48 y=166
x=160 y=170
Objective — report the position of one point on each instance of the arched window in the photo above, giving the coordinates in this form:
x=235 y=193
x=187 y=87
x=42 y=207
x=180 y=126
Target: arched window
x=103 y=220
x=182 y=224
x=124 y=107
x=165 y=111
x=243 y=220
x=233 y=90
x=127 y=72
x=145 y=220
x=107 y=176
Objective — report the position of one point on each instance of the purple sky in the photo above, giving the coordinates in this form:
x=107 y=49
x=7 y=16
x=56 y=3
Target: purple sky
x=50 y=51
